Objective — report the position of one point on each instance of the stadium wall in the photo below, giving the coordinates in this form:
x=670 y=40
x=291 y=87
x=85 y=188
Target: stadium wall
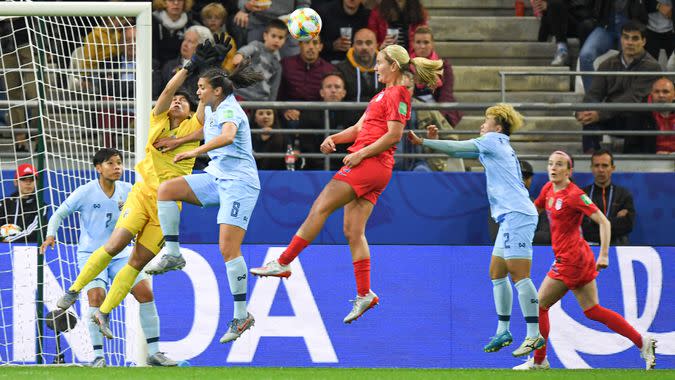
x=416 y=208
x=436 y=310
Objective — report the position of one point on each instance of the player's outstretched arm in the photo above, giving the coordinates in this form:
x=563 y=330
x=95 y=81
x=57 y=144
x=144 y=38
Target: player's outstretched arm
x=53 y=226
x=164 y=99
x=605 y=237
x=460 y=149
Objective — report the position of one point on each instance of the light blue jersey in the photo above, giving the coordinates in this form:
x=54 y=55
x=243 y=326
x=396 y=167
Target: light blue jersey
x=234 y=161
x=505 y=189
x=98 y=214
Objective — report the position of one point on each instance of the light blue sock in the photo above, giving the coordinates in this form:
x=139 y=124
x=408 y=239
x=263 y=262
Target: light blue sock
x=529 y=305
x=169 y=219
x=150 y=326
x=95 y=334
x=503 y=297
x=237 y=277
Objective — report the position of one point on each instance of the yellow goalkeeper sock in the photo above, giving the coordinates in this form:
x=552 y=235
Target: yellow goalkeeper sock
x=98 y=261
x=120 y=288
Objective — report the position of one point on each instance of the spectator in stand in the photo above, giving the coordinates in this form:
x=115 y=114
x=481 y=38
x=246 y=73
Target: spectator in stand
x=266 y=119
x=265 y=59
x=261 y=12
x=660 y=33
x=564 y=19
x=614 y=201
x=193 y=36
x=395 y=22
x=620 y=89
x=607 y=33
x=332 y=90
x=171 y=19
x=663 y=91
x=301 y=78
x=358 y=70
x=237 y=33
x=21 y=208
x=214 y=17
x=340 y=19
x=423 y=46
x=122 y=83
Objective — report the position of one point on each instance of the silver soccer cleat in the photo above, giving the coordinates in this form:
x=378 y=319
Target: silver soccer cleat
x=361 y=305
x=99 y=362
x=165 y=264
x=103 y=322
x=648 y=352
x=237 y=327
x=272 y=269
x=159 y=359
x=67 y=300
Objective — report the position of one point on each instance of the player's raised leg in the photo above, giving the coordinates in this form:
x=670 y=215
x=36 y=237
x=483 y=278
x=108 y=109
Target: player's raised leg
x=168 y=194
x=336 y=194
x=98 y=261
x=356 y=216
x=142 y=291
x=503 y=298
x=587 y=296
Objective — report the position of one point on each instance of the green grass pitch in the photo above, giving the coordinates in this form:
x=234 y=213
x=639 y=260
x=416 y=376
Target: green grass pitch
x=204 y=373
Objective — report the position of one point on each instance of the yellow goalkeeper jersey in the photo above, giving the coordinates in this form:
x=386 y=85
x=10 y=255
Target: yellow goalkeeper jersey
x=158 y=167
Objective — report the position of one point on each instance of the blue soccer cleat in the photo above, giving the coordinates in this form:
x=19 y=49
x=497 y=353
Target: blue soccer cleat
x=499 y=341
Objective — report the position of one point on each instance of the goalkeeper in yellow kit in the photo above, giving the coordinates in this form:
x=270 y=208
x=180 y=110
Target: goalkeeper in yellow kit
x=169 y=119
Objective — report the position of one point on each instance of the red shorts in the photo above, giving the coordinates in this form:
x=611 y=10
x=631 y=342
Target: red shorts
x=573 y=276
x=368 y=179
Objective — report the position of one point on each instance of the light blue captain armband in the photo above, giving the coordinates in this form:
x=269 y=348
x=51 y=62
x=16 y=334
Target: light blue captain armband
x=459 y=149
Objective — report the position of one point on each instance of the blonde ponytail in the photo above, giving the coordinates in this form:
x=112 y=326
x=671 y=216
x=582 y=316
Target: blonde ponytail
x=426 y=70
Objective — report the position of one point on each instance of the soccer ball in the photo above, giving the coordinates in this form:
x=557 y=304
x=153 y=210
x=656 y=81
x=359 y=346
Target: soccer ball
x=304 y=24
x=8 y=230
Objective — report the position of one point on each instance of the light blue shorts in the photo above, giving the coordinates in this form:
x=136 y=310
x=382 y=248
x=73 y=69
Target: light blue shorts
x=106 y=277
x=235 y=198
x=514 y=239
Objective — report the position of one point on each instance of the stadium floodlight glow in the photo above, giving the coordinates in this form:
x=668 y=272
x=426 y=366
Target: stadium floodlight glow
x=74 y=78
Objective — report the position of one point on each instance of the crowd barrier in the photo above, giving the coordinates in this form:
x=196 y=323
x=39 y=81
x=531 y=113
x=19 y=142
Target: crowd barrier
x=436 y=310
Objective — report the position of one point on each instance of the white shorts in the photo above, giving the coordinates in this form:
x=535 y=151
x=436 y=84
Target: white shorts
x=235 y=198
x=106 y=277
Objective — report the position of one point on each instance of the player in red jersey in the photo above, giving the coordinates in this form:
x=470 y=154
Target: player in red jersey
x=575 y=267
x=366 y=171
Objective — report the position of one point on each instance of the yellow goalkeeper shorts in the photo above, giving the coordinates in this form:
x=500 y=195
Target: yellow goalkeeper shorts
x=139 y=216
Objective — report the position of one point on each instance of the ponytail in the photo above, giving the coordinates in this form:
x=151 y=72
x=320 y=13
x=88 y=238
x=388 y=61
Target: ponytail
x=427 y=71
x=242 y=76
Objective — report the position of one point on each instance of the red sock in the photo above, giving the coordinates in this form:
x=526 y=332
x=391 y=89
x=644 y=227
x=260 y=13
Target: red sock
x=362 y=274
x=615 y=322
x=544 y=328
x=293 y=250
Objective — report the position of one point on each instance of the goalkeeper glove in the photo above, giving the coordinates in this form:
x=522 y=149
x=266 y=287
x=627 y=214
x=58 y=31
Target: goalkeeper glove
x=205 y=56
x=222 y=45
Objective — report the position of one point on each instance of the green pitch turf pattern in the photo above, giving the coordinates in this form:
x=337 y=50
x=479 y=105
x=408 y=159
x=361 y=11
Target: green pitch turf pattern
x=203 y=373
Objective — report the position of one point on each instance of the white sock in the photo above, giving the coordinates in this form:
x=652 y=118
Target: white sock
x=237 y=277
x=529 y=305
x=95 y=334
x=503 y=297
x=150 y=325
x=169 y=219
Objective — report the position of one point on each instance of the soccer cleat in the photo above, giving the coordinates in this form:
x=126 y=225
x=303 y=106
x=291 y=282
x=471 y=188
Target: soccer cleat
x=273 y=269
x=159 y=359
x=166 y=263
x=499 y=341
x=103 y=322
x=529 y=345
x=648 y=352
x=99 y=362
x=361 y=305
x=237 y=327
x=67 y=300
x=530 y=364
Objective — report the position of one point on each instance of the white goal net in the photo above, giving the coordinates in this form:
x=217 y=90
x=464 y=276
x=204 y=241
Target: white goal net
x=69 y=85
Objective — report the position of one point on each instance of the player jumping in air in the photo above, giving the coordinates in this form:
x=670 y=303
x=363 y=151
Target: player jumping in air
x=575 y=267
x=511 y=207
x=170 y=118
x=366 y=171
x=230 y=182
x=99 y=203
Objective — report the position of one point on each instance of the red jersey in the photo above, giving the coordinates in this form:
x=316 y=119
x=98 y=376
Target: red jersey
x=390 y=104
x=665 y=123
x=565 y=210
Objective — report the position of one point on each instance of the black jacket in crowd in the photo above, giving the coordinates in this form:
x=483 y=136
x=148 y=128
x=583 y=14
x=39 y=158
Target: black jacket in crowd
x=24 y=213
x=604 y=9
x=334 y=17
x=610 y=201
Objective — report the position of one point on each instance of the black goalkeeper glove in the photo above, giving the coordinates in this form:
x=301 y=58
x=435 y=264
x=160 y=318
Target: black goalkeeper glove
x=205 y=56
x=222 y=45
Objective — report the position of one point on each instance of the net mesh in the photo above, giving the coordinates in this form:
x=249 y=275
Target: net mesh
x=66 y=88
